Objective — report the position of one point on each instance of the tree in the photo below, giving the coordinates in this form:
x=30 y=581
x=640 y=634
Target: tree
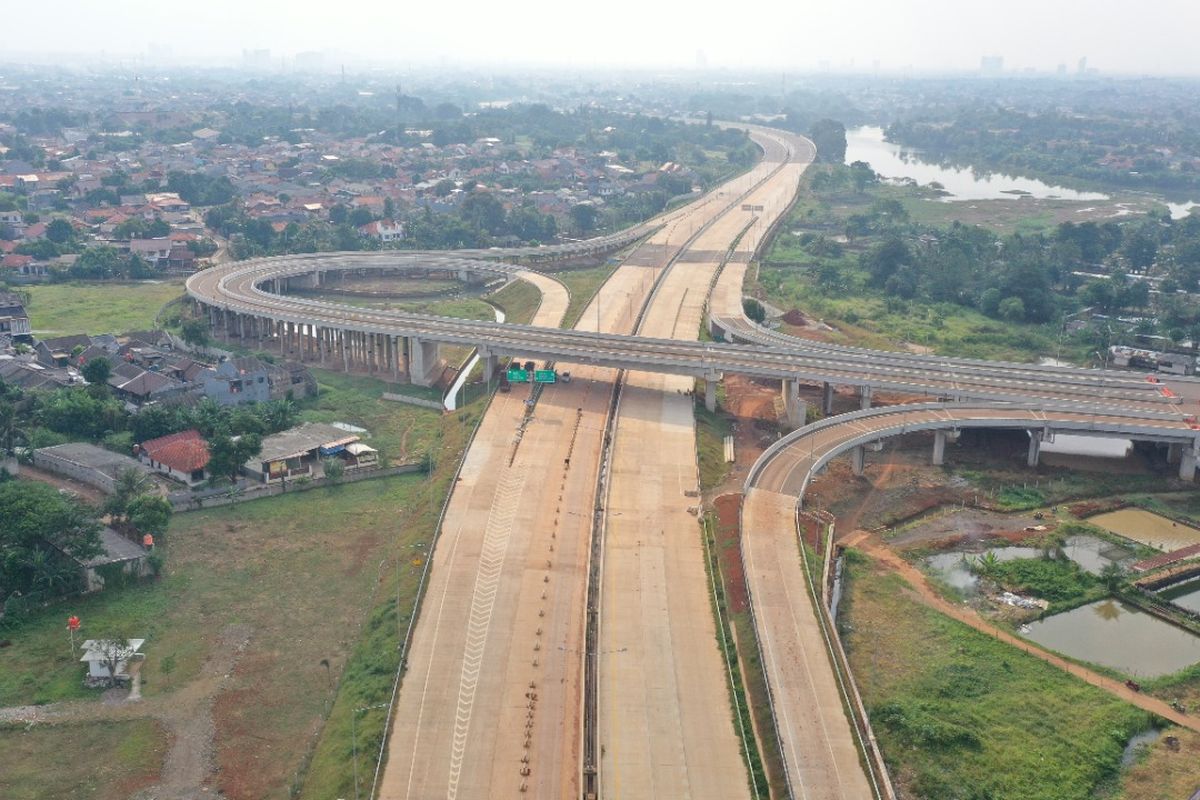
x=830 y=138
x=195 y=332
x=1112 y=574
x=1012 y=309
x=583 y=216
x=113 y=652
x=97 y=371
x=37 y=524
x=59 y=231
x=338 y=214
x=150 y=514
x=754 y=310
x=335 y=468
x=227 y=455
x=129 y=485
x=361 y=216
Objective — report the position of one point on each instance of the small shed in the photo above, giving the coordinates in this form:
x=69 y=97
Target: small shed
x=98 y=654
x=357 y=454
x=128 y=558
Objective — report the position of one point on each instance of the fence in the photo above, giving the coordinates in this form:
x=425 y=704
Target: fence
x=213 y=498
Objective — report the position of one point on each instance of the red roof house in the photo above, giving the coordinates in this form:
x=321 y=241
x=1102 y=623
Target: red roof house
x=182 y=455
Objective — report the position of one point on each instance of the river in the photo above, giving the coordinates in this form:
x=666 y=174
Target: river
x=894 y=161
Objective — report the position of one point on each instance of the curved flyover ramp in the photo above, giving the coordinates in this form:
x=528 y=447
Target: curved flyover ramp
x=820 y=747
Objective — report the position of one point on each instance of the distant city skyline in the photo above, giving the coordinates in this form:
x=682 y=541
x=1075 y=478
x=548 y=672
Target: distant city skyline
x=869 y=35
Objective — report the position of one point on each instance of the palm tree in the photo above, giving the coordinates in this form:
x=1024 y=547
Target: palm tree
x=1113 y=575
x=986 y=565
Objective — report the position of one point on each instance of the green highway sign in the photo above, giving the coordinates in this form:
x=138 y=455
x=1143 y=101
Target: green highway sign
x=544 y=376
x=518 y=376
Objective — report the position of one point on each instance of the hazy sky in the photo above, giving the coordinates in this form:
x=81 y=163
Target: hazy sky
x=1115 y=35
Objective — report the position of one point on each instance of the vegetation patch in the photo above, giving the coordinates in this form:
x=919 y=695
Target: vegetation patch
x=84 y=761
x=961 y=716
x=520 y=301
x=59 y=309
x=711 y=430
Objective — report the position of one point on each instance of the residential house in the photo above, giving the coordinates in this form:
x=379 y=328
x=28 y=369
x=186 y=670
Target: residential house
x=14 y=321
x=58 y=351
x=156 y=251
x=241 y=380
x=299 y=452
x=385 y=230
x=182 y=456
x=137 y=386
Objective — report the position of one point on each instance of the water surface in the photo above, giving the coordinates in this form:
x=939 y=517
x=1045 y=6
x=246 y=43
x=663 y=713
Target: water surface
x=894 y=161
x=1116 y=635
x=1148 y=528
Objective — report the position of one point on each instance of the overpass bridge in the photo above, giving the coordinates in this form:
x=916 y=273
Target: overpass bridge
x=244 y=301
x=819 y=743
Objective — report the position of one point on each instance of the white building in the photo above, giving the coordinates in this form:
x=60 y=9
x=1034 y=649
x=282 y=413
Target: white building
x=385 y=230
x=98 y=654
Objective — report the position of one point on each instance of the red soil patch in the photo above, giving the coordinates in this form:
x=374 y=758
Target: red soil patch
x=749 y=399
x=728 y=508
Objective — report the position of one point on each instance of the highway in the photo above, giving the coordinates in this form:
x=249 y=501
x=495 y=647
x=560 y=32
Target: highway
x=665 y=725
x=491 y=702
x=496 y=699
x=817 y=741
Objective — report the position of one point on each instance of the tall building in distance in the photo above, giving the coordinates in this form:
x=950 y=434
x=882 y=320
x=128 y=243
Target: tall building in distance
x=991 y=65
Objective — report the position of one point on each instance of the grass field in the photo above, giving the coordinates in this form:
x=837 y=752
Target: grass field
x=960 y=715
x=583 y=285
x=59 y=309
x=86 y=761
x=313 y=577
x=400 y=432
x=520 y=301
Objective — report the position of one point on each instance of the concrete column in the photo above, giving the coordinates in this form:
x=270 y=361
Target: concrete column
x=827 y=399
x=710 y=394
x=864 y=397
x=342 y=347
x=939 y=448
x=1035 y=448
x=422 y=360
x=858 y=460
x=488 y=361
x=1187 y=465
x=796 y=409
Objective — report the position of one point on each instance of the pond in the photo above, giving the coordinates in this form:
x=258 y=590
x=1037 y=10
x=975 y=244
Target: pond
x=893 y=161
x=1147 y=528
x=1117 y=635
x=1185 y=595
x=1091 y=553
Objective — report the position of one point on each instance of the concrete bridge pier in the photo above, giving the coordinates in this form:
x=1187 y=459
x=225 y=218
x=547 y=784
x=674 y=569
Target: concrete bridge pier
x=488 y=360
x=939 y=448
x=827 y=398
x=1187 y=464
x=422 y=360
x=858 y=460
x=864 y=397
x=711 y=379
x=1035 y=448
x=795 y=408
